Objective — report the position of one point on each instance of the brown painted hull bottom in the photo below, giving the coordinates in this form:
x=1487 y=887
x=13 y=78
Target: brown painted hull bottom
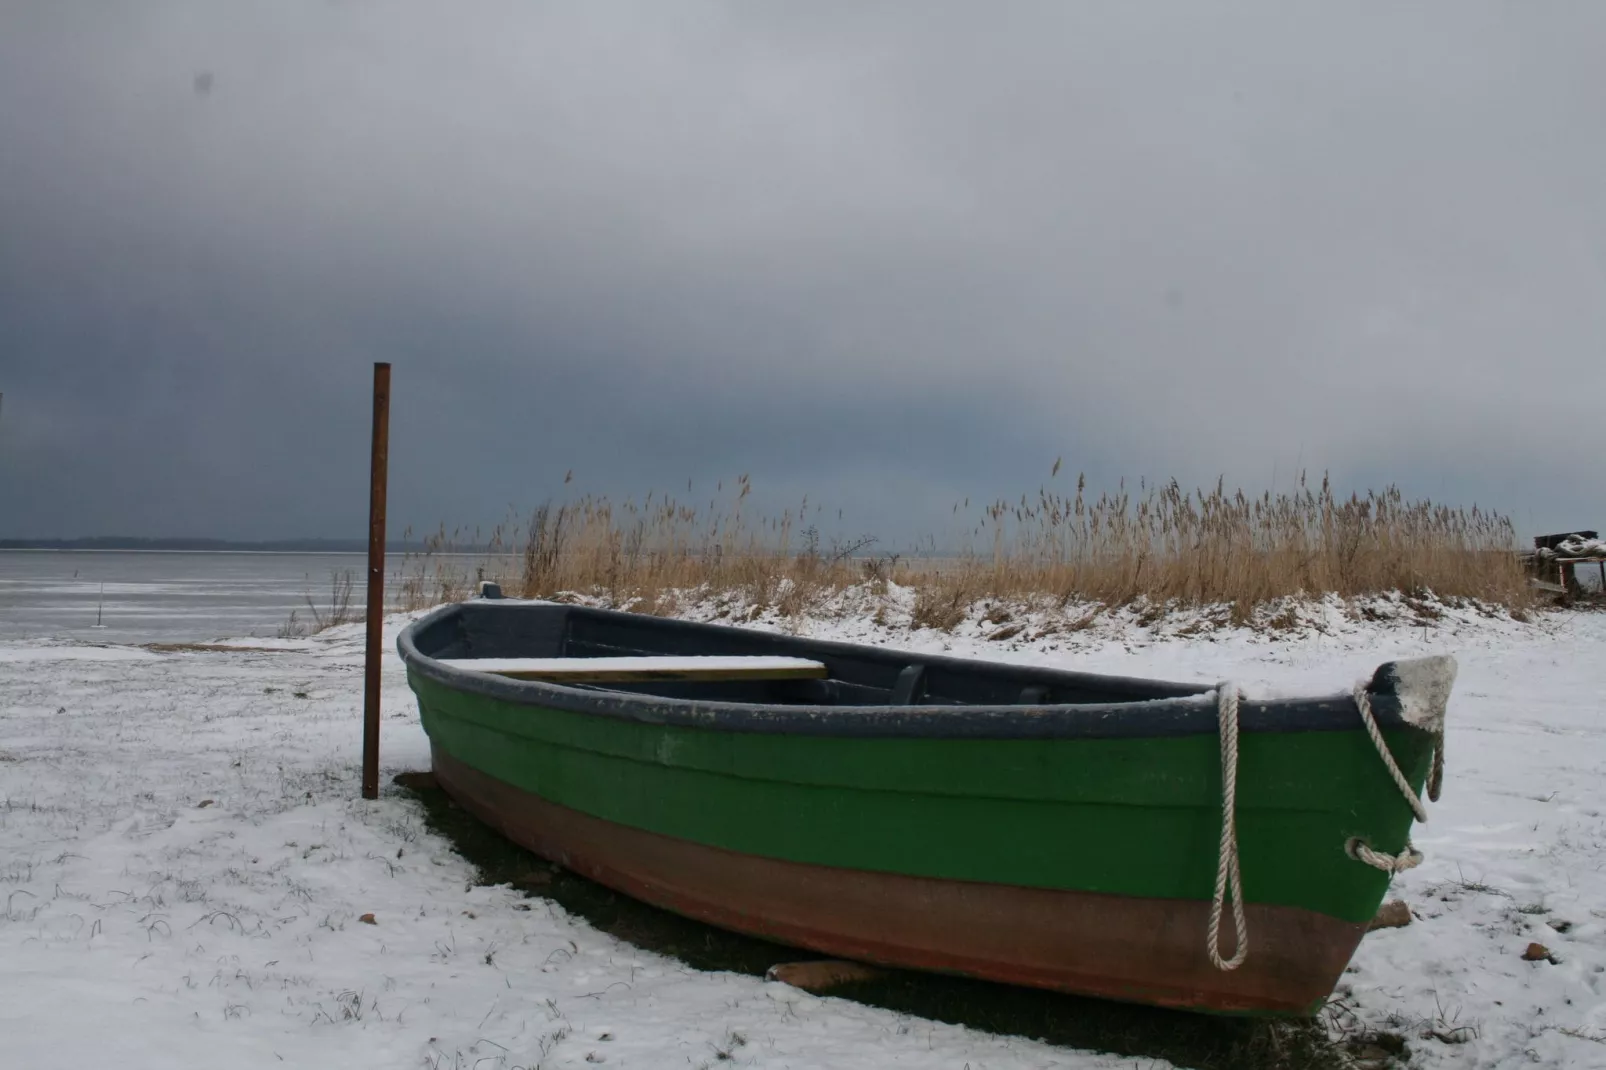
x=1117 y=947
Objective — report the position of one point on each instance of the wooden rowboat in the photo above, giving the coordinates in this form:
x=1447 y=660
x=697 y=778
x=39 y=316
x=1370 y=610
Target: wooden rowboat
x=1020 y=824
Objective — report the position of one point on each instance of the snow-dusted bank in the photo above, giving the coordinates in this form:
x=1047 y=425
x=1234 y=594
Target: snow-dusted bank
x=187 y=876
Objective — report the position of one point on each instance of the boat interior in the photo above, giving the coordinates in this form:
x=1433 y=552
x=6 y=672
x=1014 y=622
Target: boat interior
x=851 y=675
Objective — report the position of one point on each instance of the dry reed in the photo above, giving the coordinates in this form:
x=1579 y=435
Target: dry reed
x=1162 y=545
x=342 y=588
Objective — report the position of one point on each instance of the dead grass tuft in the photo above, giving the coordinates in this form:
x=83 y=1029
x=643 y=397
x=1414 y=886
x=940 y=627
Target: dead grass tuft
x=340 y=610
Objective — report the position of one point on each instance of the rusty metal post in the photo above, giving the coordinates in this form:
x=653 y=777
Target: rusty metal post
x=379 y=463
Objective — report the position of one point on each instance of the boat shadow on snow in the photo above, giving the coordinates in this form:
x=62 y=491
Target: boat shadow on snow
x=1185 y=1039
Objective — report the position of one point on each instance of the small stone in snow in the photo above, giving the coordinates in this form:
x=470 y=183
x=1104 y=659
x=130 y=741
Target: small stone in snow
x=204 y=803
x=368 y=919
x=1538 y=953
x=1378 y=1051
x=1394 y=914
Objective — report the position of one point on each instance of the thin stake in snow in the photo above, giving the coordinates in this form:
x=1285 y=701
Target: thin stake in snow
x=379 y=460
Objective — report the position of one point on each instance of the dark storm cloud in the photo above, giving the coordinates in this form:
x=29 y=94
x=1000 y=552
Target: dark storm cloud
x=884 y=255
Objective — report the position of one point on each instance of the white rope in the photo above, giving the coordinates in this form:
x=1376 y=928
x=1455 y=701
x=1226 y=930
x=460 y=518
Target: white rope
x=1363 y=702
x=1227 y=872
x=1409 y=858
x=1228 y=875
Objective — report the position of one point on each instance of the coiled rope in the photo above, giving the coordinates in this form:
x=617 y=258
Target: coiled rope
x=1229 y=879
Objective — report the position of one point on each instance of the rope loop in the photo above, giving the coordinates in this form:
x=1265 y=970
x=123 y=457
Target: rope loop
x=1361 y=851
x=1363 y=702
x=1228 y=876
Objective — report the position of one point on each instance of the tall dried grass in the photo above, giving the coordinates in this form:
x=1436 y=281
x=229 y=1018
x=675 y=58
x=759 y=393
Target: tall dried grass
x=1161 y=544
x=1219 y=547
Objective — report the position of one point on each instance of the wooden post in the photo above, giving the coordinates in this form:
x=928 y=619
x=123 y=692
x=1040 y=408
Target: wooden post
x=379 y=463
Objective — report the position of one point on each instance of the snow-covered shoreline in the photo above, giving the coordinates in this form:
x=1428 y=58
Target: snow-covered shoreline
x=184 y=863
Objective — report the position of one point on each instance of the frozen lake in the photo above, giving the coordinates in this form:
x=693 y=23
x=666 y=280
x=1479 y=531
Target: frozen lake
x=165 y=597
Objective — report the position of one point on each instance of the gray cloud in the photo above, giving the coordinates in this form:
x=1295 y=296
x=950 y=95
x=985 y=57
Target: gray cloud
x=888 y=256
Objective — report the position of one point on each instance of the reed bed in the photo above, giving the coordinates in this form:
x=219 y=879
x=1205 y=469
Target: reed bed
x=1159 y=545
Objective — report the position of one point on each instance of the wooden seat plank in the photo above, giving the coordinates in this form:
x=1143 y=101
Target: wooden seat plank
x=633 y=669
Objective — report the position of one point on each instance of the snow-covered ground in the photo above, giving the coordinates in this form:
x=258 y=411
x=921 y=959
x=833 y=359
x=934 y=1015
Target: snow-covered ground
x=185 y=869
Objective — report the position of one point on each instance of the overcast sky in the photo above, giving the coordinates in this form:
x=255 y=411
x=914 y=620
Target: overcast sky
x=885 y=255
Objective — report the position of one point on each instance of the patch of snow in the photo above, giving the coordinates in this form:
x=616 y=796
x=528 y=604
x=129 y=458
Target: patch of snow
x=1423 y=687
x=185 y=865
x=1575 y=547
